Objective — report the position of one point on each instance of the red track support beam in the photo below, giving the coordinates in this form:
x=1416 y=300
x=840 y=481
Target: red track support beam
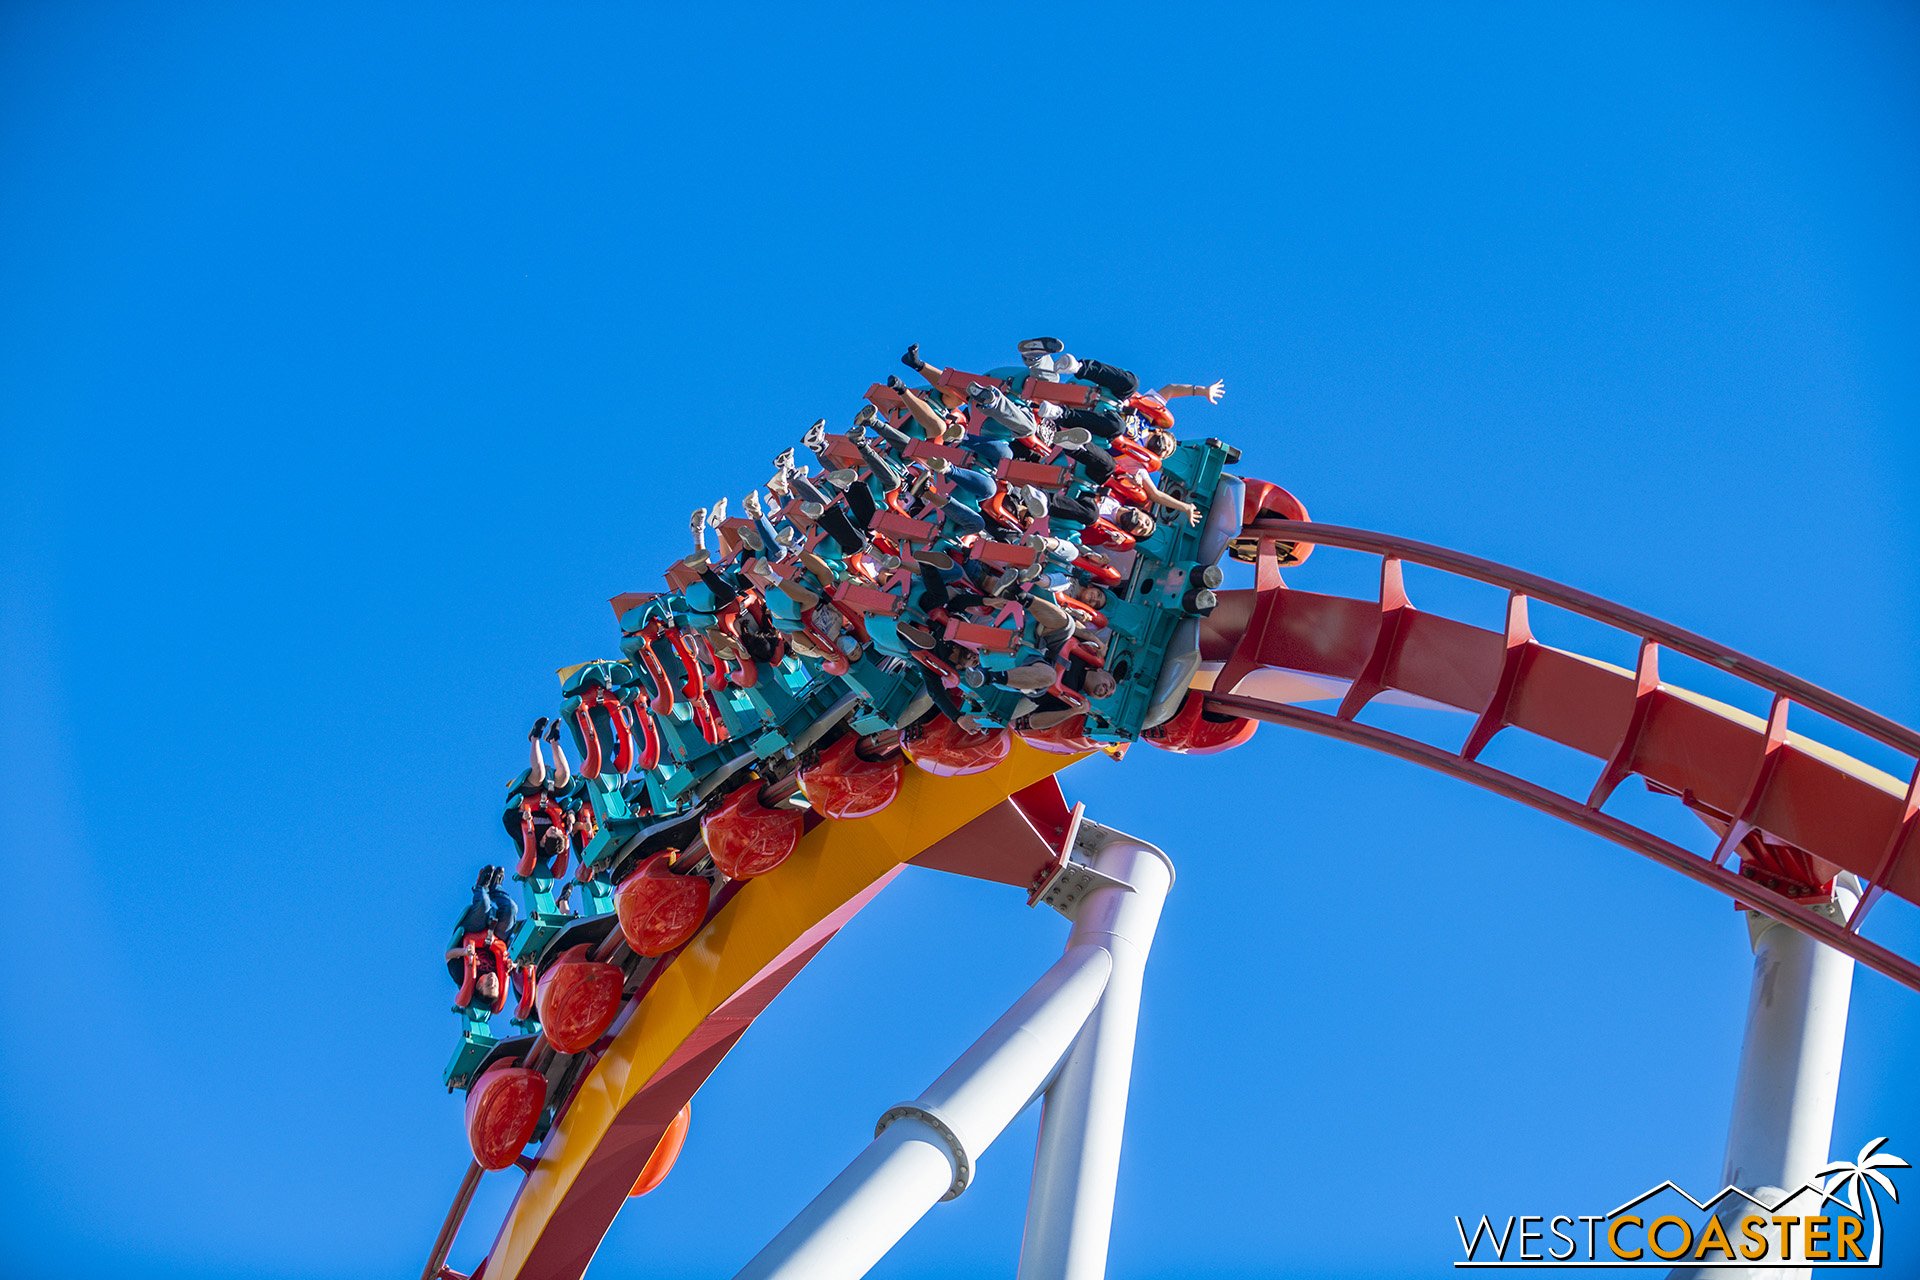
x=1771 y=750
x=1646 y=692
x=1513 y=669
x=1396 y=611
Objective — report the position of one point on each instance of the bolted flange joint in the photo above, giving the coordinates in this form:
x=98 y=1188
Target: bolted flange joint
x=962 y=1162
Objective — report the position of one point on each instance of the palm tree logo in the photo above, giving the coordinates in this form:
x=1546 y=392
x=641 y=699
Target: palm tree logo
x=1847 y=1179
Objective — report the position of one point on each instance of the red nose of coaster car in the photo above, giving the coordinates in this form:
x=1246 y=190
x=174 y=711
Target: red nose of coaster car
x=578 y=999
x=1064 y=739
x=841 y=783
x=748 y=839
x=1268 y=501
x=503 y=1108
x=944 y=749
x=660 y=910
x=1195 y=731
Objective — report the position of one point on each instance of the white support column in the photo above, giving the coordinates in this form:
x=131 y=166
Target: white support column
x=925 y=1151
x=1077 y=1166
x=1781 y=1131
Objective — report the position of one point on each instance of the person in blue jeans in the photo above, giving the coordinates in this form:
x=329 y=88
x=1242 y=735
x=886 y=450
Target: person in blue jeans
x=484 y=928
x=971 y=487
x=493 y=908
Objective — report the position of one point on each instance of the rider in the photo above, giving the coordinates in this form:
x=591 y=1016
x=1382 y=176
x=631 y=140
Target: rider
x=482 y=933
x=537 y=776
x=493 y=908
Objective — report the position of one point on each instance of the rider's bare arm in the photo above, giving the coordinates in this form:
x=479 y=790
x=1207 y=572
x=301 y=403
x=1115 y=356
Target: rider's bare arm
x=1212 y=391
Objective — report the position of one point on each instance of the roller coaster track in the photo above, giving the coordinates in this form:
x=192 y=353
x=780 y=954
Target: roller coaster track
x=1794 y=812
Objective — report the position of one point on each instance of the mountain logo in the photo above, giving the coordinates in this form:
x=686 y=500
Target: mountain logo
x=1833 y=1220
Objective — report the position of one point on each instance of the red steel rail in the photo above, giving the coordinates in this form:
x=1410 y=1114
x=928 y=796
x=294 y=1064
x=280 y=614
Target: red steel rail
x=1795 y=814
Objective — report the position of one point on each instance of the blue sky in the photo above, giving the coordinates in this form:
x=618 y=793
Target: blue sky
x=351 y=357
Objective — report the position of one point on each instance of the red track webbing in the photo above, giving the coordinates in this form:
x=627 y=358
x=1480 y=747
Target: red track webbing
x=1721 y=766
